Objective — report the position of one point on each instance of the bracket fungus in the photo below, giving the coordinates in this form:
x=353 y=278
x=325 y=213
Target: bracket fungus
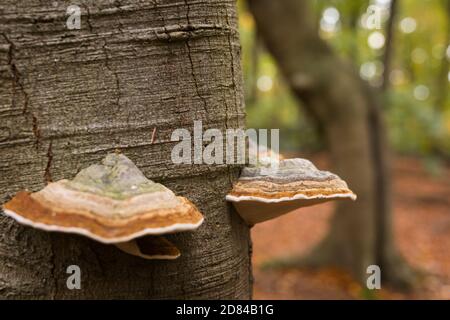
x=113 y=203
x=264 y=192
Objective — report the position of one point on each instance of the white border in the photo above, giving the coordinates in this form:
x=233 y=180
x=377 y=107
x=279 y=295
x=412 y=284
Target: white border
x=177 y=227
x=296 y=197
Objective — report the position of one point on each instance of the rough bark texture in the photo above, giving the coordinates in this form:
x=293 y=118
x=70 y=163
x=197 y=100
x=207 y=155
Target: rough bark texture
x=67 y=97
x=349 y=115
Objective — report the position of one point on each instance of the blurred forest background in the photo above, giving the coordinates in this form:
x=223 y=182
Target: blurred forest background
x=405 y=62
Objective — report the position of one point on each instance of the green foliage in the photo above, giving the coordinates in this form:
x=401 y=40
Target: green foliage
x=415 y=127
x=417 y=103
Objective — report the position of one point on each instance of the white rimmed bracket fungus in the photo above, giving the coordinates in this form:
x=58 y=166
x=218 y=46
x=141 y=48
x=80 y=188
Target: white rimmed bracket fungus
x=113 y=203
x=264 y=192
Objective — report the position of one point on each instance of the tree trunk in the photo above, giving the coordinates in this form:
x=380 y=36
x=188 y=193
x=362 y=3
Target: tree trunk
x=442 y=79
x=68 y=97
x=349 y=114
x=389 y=46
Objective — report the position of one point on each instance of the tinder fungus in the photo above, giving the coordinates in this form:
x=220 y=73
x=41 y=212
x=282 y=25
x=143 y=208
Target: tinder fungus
x=264 y=192
x=112 y=202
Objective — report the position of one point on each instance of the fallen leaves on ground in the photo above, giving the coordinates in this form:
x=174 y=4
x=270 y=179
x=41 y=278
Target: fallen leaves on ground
x=421 y=230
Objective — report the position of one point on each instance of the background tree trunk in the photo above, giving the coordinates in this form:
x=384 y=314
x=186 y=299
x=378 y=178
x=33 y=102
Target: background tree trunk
x=68 y=97
x=442 y=80
x=389 y=46
x=349 y=114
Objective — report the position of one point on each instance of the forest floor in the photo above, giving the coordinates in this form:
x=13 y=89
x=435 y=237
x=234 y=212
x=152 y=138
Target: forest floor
x=422 y=234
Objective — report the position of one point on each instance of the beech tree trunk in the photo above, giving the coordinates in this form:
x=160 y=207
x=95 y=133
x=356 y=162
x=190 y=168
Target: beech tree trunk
x=348 y=113
x=68 y=97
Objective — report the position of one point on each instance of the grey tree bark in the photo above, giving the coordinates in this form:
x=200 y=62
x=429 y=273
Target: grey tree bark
x=68 y=97
x=348 y=113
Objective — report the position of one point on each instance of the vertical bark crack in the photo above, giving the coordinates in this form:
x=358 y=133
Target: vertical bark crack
x=195 y=79
x=205 y=105
x=36 y=131
x=47 y=173
x=233 y=73
x=88 y=16
x=114 y=73
x=18 y=83
x=188 y=10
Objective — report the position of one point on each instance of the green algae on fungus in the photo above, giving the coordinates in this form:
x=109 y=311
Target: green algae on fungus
x=265 y=192
x=112 y=202
x=117 y=177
